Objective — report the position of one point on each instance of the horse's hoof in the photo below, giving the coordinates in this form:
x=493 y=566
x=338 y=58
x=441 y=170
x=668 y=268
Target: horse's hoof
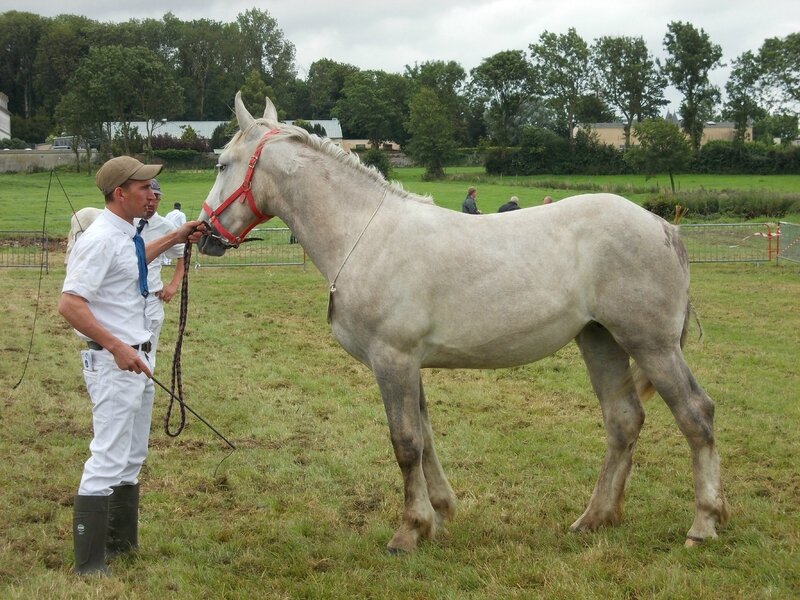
x=395 y=551
x=692 y=542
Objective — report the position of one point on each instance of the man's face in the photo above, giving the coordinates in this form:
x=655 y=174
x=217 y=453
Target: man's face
x=138 y=198
x=152 y=208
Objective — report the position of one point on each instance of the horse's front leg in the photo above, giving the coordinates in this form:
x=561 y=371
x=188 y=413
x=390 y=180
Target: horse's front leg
x=398 y=380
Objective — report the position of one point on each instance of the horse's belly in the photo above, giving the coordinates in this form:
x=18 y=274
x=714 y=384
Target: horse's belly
x=503 y=349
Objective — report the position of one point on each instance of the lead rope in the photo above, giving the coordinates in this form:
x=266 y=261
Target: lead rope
x=177 y=374
x=176 y=368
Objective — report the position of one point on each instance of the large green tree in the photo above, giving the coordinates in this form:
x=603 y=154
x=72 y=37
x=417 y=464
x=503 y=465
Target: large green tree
x=501 y=83
x=263 y=46
x=628 y=78
x=692 y=56
x=325 y=83
x=448 y=81
x=373 y=106
x=123 y=85
x=432 y=142
x=743 y=91
x=562 y=72
x=20 y=33
x=662 y=149
x=63 y=45
x=201 y=47
x=780 y=62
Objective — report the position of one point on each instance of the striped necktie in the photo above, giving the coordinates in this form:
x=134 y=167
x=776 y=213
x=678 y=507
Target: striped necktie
x=141 y=258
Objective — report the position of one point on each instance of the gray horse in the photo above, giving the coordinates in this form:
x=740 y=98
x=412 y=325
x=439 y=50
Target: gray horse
x=413 y=285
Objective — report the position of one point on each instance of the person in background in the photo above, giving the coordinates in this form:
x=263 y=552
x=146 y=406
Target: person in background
x=512 y=204
x=470 y=205
x=158 y=226
x=547 y=200
x=176 y=216
x=104 y=297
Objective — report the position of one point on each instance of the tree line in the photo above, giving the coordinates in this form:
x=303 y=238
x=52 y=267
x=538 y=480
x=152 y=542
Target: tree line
x=73 y=74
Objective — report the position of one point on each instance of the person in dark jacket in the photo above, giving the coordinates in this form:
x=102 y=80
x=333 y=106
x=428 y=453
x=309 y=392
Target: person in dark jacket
x=512 y=204
x=469 y=205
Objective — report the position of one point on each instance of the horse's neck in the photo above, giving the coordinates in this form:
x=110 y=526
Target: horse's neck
x=328 y=214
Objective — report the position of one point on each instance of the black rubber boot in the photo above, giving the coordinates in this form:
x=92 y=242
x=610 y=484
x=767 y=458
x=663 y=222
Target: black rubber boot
x=123 y=520
x=89 y=528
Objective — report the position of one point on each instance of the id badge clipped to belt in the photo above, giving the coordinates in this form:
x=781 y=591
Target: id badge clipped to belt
x=87 y=360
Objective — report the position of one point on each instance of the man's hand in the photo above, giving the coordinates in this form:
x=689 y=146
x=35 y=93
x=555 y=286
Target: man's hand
x=128 y=359
x=192 y=231
x=167 y=292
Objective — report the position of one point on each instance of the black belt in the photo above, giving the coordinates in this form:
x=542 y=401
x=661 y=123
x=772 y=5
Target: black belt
x=144 y=347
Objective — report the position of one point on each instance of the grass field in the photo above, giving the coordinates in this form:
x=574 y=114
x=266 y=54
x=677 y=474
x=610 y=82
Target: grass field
x=305 y=506
x=23 y=197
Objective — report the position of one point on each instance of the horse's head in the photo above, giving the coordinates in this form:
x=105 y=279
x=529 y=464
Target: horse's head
x=230 y=210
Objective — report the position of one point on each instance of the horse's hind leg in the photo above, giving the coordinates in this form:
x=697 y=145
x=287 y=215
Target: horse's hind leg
x=623 y=416
x=441 y=494
x=694 y=412
x=399 y=382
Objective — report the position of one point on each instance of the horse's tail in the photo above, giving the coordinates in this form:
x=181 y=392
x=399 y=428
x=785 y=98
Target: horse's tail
x=644 y=387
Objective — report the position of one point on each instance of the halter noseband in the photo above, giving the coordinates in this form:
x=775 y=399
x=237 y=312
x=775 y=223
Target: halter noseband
x=244 y=191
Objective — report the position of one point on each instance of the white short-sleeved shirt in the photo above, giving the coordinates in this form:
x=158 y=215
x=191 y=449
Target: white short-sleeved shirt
x=157 y=226
x=102 y=269
x=176 y=217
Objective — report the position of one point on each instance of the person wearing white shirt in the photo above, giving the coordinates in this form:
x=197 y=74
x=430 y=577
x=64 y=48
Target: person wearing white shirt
x=104 y=298
x=177 y=218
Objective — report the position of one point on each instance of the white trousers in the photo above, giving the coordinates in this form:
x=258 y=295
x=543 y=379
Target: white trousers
x=122 y=404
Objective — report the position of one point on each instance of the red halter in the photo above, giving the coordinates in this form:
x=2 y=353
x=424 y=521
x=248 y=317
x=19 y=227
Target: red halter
x=244 y=191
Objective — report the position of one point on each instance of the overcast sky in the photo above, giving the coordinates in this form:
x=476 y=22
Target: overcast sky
x=390 y=35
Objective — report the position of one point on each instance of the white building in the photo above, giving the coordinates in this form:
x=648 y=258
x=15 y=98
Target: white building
x=5 y=118
x=204 y=129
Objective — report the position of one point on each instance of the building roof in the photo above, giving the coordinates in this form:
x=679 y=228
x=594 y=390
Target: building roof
x=204 y=129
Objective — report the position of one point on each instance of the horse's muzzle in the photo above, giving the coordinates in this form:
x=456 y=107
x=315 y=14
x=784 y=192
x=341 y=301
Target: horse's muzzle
x=212 y=243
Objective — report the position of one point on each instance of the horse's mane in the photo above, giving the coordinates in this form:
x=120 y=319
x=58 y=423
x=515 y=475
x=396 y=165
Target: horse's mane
x=349 y=159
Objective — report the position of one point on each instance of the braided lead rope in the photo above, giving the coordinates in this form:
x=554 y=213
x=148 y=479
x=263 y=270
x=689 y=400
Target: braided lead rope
x=177 y=377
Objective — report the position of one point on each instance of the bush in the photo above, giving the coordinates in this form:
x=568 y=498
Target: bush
x=13 y=144
x=378 y=159
x=185 y=159
x=543 y=152
x=728 y=203
x=755 y=158
x=223 y=133
x=187 y=142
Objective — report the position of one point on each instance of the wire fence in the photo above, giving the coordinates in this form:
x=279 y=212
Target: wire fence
x=730 y=242
x=24 y=249
x=275 y=247
x=789 y=242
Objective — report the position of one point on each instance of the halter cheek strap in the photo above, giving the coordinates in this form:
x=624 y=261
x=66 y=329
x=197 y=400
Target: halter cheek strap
x=245 y=192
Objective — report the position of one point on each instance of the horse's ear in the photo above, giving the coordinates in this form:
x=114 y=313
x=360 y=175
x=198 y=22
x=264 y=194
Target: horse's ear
x=244 y=118
x=270 y=114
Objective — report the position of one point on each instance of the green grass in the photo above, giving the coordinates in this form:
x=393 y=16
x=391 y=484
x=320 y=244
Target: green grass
x=23 y=196
x=305 y=506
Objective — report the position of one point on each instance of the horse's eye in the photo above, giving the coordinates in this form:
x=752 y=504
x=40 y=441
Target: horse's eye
x=220 y=168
